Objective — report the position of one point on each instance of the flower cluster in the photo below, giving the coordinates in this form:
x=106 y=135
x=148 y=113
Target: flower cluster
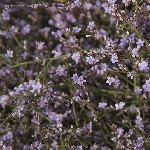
x=75 y=75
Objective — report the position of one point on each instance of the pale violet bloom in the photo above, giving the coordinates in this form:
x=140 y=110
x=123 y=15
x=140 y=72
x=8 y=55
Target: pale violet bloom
x=139 y=122
x=126 y=2
x=87 y=6
x=39 y=45
x=91 y=60
x=102 y=105
x=138 y=90
x=78 y=80
x=117 y=82
x=120 y=105
x=140 y=43
x=76 y=29
x=139 y=142
x=135 y=52
x=91 y=25
x=5 y=15
x=60 y=71
x=4 y=100
x=143 y=66
x=9 y=53
x=26 y=29
x=76 y=57
x=114 y=58
x=110 y=80
x=146 y=86
x=57 y=53
x=77 y=3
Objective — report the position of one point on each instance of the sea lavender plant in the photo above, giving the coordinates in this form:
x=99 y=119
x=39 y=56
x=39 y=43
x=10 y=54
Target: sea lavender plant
x=74 y=75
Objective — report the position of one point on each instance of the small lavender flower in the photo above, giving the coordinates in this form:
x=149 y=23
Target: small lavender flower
x=119 y=132
x=76 y=29
x=117 y=82
x=139 y=122
x=140 y=43
x=114 y=58
x=39 y=45
x=138 y=90
x=26 y=29
x=102 y=105
x=57 y=53
x=146 y=86
x=24 y=55
x=120 y=105
x=13 y=29
x=9 y=53
x=111 y=1
x=110 y=80
x=78 y=80
x=4 y=100
x=58 y=33
x=91 y=60
x=87 y=6
x=126 y=2
x=139 y=142
x=104 y=67
x=143 y=66
x=77 y=3
x=5 y=15
x=107 y=8
x=135 y=52
x=7 y=136
x=76 y=57
x=60 y=71
x=91 y=25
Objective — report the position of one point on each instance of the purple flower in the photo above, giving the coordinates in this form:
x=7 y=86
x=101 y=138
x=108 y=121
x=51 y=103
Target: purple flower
x=91 y=25
x=91 y=60
x=138 y=90
x=102 y=105
x=110 y=80
x=126 y=2
x=57 y=53
x=104 y=66
x=9 y=54
x=120 y=105
x=77 y=3
x=4 y=100
x=60 y=71
x=135 y=52
x=26 y=29
x=87 y=6
x=78 y=80
x=58 y=33
x=106 y=8
x=5 y=15
x=117 y=82
x=139 y=122
x=39 y=45
x=139 y=43
x=146 y=86
x=76 y=57
x=143 y=66
x=139 y=142
x=114 y=58
x=7 y=136
x=24 y=55
x=76 y=29
x=111 y=1
x=70 y=17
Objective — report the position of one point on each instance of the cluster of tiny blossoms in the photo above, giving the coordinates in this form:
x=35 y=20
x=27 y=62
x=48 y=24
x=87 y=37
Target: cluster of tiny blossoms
x=75 y=75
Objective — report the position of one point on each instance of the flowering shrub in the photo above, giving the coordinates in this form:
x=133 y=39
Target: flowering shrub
x=75 y=75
